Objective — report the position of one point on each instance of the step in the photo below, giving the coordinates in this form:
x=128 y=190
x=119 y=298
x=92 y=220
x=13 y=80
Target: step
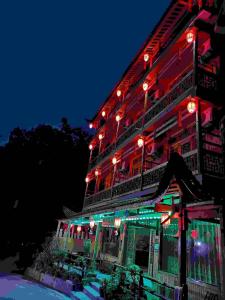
x=79 y=296
x=95 y=285
x=91 y=293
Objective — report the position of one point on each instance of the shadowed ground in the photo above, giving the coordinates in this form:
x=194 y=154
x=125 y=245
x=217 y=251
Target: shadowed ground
x=14 y=287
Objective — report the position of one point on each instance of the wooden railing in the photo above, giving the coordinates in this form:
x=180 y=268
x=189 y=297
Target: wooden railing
x=149 y=116
x=150 y=177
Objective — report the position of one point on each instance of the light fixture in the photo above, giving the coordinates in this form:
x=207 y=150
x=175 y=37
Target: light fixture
x=90 y=147
x=145 y=86
x=87 y=179
x=78 y=229
x=140 y=142
x=118 y=118
x=92 y=224
x=117 y=222
x=103 y=113
x=96 y=173
x=118 y=93
x=190 y=37
x=191 y=106
x=90 y=125
x=114 y=160
x=146 y=57
x=100 y=136
x=163 y=218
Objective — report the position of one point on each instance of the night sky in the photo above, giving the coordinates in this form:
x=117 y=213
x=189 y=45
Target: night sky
x=63 y=58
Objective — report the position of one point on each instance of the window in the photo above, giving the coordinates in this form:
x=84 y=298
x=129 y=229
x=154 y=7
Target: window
x=203 y=250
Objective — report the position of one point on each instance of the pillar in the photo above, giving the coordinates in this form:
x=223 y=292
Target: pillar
x=122 y=244
x=58 y=229
x=97 y=242
x=66 y=237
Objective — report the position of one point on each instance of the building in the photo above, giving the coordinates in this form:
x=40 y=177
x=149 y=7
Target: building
x=154 y=184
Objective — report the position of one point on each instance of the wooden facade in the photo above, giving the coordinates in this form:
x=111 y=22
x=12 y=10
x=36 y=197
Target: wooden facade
x=169 y=100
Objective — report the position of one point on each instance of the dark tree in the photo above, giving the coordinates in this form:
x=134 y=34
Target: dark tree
x=42 y=170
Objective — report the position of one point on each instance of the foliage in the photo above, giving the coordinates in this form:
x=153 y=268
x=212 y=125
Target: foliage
x=41 y=171
x=121 y=283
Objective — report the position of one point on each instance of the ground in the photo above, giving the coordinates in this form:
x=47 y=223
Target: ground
x=15 y=287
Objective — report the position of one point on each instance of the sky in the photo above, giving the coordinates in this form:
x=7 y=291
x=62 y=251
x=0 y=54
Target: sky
x=62 y=58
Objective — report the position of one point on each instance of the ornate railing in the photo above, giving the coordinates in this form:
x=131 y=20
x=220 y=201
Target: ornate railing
x=169 y=98
x=150 y=177
x=213 y=163
x=154 y=111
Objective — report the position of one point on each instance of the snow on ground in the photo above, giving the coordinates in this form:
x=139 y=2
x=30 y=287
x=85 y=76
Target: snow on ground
x=14 y=287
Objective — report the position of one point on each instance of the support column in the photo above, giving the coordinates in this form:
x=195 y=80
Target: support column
x=97 y=242
x=122 y=244
x=143 y=147
x=183 y=250
x=67 y=236
x=222 y=245
x=58 y=229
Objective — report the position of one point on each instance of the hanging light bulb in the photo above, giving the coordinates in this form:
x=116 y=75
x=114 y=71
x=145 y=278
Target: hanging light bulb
x=118 y=118
x=100 y=136
x=190 y=37
x=103 y=113
x=92 y=224
x=191 y=107
x=90 y=147
x=79 y=229
x=87 y=179
x=114 y=160
x=145 y=86
x=146 y=57
x=140 y=142
x=117 y=222
x=118 y=93
x=90 y=125
x=96 y=173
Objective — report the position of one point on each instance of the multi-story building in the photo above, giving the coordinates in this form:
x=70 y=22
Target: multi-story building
x=166 y=107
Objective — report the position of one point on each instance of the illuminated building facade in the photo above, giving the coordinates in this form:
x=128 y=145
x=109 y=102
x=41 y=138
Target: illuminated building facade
x=167 y=107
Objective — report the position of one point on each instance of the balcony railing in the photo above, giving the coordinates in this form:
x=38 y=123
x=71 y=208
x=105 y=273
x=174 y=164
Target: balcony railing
x=150 y=178
x=207 y=85
x=149 y=116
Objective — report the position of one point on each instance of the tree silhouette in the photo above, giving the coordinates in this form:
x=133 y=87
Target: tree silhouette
x=42 y=170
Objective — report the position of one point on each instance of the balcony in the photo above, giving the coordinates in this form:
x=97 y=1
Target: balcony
x=207 y=87
x=137 y=183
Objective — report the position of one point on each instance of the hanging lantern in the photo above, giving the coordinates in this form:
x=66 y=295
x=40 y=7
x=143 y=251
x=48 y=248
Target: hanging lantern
x=145 y=86
x=90 y=147
x=163 y=218
x=90 y=125
x=79 y=229
x=140 y=142
x=87 y=179
x=146 y=57
x=191 y=107
x=194 y=234
x=100 y=136
x=118 y=118
x=118 y=93
x=190 y=37
x=114 y=160
x=96 y=173
x=117 y=222
x=92 y=224
x=103 y=113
